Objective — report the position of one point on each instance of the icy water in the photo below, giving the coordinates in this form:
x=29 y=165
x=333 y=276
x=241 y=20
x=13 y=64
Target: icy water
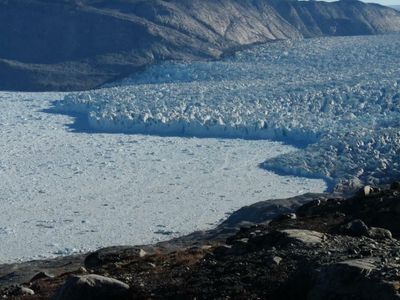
x=64 y=190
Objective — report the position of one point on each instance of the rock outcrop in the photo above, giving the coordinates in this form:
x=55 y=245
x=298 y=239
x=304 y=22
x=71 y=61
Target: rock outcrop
x=81 y=44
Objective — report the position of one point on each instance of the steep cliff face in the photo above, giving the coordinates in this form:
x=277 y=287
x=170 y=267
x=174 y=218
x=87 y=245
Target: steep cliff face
x=81 y=44
x=349 y=17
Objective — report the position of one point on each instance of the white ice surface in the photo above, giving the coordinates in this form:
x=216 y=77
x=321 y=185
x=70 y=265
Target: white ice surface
x=63 y=192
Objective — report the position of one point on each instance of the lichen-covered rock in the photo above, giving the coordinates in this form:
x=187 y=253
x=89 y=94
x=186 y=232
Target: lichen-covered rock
x=93 y=287
x=305 y=237
x=105 y=255
x=351 y=280
x=379 y=233
x=20 y=290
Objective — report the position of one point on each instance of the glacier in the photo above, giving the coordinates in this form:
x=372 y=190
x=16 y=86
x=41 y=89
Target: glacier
x=336 y=98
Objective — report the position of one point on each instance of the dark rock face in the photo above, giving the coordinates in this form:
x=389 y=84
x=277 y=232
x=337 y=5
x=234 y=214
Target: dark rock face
x=81 y=44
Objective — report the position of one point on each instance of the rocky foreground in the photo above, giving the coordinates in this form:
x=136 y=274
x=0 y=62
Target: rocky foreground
x=329 y=248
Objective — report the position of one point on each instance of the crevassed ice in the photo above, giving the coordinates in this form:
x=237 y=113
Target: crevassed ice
x=338 y=97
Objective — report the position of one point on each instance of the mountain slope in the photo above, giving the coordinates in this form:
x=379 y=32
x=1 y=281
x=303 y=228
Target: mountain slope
x=81 y=44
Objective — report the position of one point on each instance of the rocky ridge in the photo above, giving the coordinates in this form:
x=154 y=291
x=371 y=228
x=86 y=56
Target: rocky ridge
x=331 y=247
x=82 y=44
